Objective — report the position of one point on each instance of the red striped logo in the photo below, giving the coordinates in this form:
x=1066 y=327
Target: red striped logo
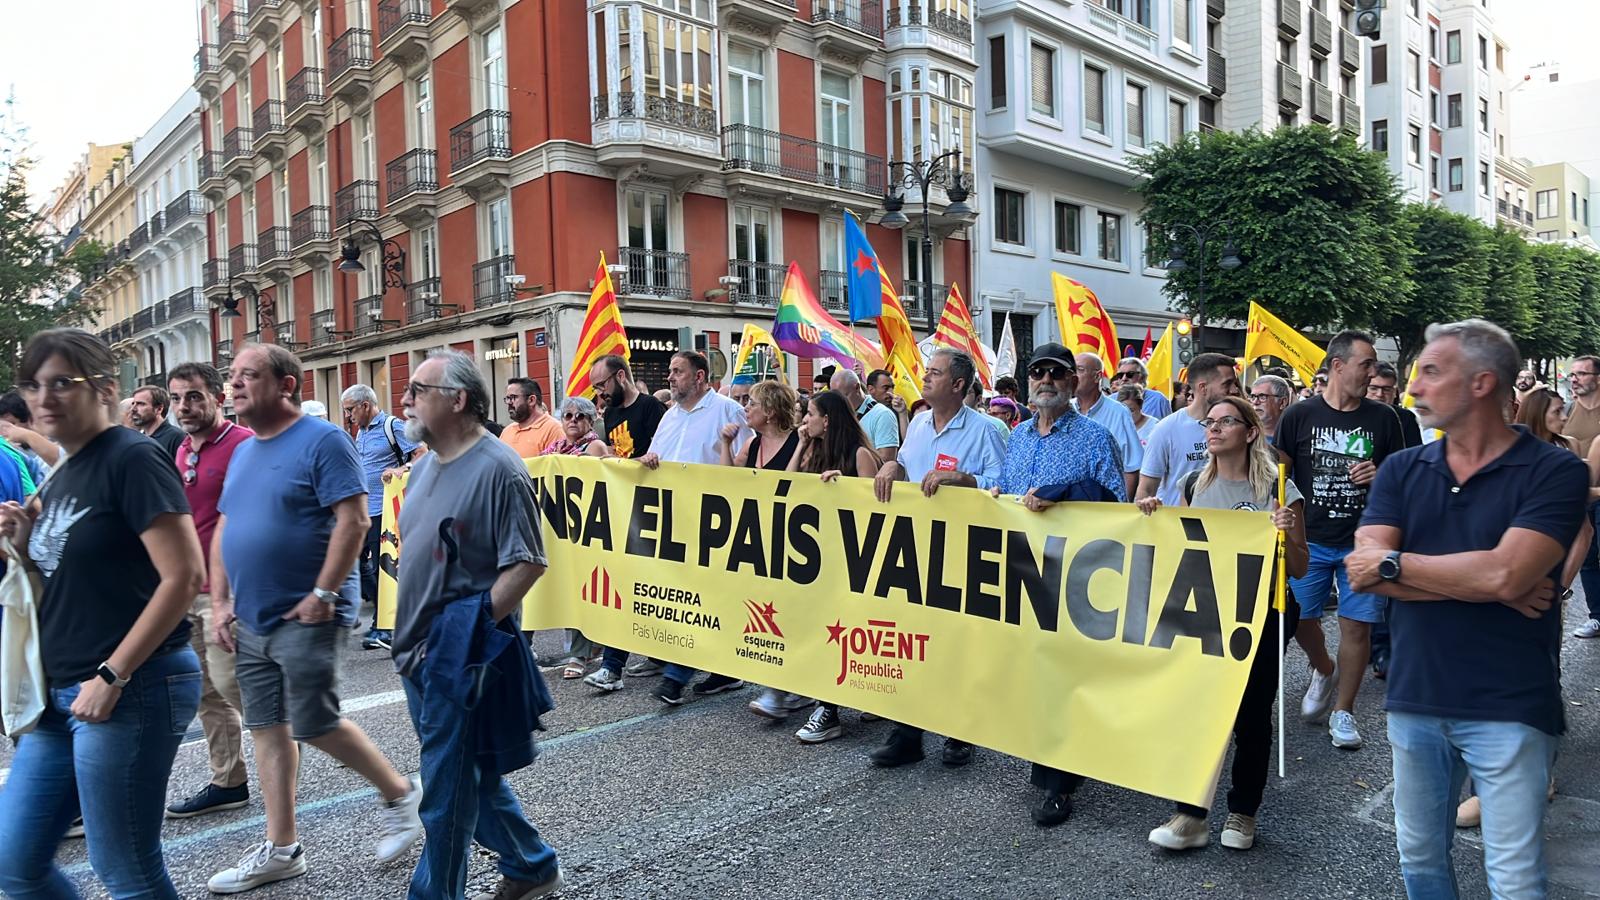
x=599 y=589
x=763 y=619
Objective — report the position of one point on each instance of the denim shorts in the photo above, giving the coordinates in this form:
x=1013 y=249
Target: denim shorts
x=1326 y=569
x=290 y=675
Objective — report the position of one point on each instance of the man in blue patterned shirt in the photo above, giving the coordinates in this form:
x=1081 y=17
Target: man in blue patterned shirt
x=1059 y=446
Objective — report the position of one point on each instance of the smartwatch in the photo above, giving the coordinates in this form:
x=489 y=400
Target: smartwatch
x=1389 y=568
x=331 y=598
x=110 y=676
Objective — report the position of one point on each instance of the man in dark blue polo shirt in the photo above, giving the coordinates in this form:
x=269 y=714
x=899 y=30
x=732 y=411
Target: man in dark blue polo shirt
x=1468 y=535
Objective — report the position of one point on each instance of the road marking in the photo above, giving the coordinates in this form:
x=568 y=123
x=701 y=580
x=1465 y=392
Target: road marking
x=259 y=823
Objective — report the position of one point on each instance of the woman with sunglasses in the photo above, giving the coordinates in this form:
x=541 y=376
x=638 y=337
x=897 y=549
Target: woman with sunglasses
x=1242 y=473
x=578 y=438
x=112 y=540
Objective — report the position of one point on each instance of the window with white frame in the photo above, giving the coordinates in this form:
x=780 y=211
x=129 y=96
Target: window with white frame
x=247 y=204
x=1094 y=98
x=752 y=251
x=1457 y=174
x=1010 y=216
x=998 y=83
x=1135 y=94
x=497 y=228
x=318 y=167
x=1380 y=136
x=1483 y=179
x=314 y=42
x=1483 y=115
x=1177 y=120
x=1042 y=79
x=1183 y=23
x=646 y=219
x=425 y=255
x=676 y=58
x=322 y=288
x=837 y=130
x=365 y=156
x=1109 y=243
x=747 y=86
x=1414 y=70
x=493 y=68
x=1068 y=222
x=930 y=112
x=1544 y=204
x=422 y=111
x=1414 y=145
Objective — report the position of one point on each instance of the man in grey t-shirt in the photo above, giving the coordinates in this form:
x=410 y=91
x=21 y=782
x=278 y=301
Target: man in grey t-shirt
x=468 y=525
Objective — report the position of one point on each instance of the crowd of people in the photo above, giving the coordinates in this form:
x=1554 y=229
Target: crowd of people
x=213 y=568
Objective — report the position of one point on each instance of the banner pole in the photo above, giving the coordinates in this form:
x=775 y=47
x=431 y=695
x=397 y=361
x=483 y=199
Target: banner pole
x=1280 y=602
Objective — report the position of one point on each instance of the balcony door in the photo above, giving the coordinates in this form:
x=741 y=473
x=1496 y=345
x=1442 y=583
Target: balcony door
x=494 y=69
x=498 y=230
x=648 y=232
x=747 y=105
x=319 y=175
x=423 y=118
x=752 y=252
x=834 y=130
x=831 y=280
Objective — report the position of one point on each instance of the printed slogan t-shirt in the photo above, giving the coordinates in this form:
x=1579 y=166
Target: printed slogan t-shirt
x=1322 y=444
x=1176 y=447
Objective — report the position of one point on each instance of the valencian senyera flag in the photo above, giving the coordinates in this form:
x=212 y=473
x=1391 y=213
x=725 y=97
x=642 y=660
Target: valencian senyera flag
x=957 y=332
x=1086 y=327
x=802 y=327
x=602 y=333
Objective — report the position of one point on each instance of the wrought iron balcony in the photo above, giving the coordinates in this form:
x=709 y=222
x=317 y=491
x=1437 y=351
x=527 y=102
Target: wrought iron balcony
x=224 y=353
x=158 y=312
x=186 y=301
x=186 y=204
x=403 y=27
x=865 y=16
x=415 y=171
x=951 y=24
x=489 y=286
x=787 y=156
x=917 y=306
x=284 y=336
x=139 y=237
x=369 y=315
x=760 y=283
x=423 y=301
x=833 y=290
x=237 y=145
x=1216 y=72
x=212 y=179
x=144 y=320
x=242 y=260
x=273 y=247
x=486 y=135
x=322 y=328
x=303 y=99
x=309 y=226
x=350 y=63
x=356 y=200
x=214 y=273
x=653 y=273
x=270 y=131
x=233 y=29
x=656 y=109
x=158 y=224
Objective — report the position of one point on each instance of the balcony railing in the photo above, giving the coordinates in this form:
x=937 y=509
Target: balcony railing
x=918 y=291
x=1528 y=217
x=760 y=283
x=486 y=135
x=210 y=165
x=772 y=153
x=1516 y=213
x=489 y=286
x=351 y=50
x=158 y=312
x=413 y=172
x=158 y=224
x=233 y=27
x=308 y=225
x=214 y=273
x=237 y=143
x=144 y=320
x=422 y=301
x=252 y=337
x=654 y=273
x=356 y=200
x=833 y=290
x=305 y=86
x=1216 y=72
x=205 y=61
x=272 y=245
x=242 y=259
x=139 y=236
x=865 y=17
x=186 y=301
x=258 y=7
x=394 y=15
x=268 y=118
x=656 y=109
x=1501 y=207
x=224 y=351
x=188 y=203
x=322 y=327
x=283 y=334
x=951 y=24
x=369 y=315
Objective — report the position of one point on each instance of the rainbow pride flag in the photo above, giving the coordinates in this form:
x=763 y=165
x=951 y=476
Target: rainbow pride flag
x=802 y=327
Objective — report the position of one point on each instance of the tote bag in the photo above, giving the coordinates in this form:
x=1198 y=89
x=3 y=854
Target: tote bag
x=22 y=682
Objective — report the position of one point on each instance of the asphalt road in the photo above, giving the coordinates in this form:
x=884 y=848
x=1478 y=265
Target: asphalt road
x=708 y=801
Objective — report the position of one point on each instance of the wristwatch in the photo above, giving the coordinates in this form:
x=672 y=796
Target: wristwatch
x=1389 y=568
x=110 y=676
x=331 y=598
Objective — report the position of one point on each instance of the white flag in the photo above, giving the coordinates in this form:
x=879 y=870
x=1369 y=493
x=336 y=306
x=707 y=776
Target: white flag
x=1006 y=355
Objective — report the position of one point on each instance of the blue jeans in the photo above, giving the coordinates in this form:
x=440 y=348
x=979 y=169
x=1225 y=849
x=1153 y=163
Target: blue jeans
x=116 y=769
x=460 y=803
x=1326 y=569
x=1589 y=574
x=1510 y=765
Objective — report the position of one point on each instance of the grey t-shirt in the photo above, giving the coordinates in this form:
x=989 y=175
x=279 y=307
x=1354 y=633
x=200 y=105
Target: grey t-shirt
x=461 y=524
x=1223 y=494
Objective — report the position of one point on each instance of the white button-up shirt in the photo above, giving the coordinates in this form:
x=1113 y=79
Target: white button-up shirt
x=967 y=444
x=694 y=435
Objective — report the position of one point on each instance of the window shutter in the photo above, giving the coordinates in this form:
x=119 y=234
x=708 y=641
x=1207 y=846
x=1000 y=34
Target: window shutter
x=1042 y=77
x=1180 y=21
x=1136 y=115
x=1094 y=97
x=1175 y=123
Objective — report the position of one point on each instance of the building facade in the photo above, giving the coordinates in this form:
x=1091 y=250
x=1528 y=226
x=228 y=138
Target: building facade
x=700 y=145
x=1285 y=62
x=112 y=287
x=1556 y=139
x=1561 y=201
x=1071 y=95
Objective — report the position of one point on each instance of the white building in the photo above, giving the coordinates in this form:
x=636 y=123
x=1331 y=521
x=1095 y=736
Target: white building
x=1287 y=62
x=1470 y=107
x=172 y=324
x=1070 y=93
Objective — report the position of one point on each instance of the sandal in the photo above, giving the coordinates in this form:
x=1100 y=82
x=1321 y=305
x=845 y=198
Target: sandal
x=577 y=668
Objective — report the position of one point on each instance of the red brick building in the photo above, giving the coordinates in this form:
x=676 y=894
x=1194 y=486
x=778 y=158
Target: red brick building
x=699 y=144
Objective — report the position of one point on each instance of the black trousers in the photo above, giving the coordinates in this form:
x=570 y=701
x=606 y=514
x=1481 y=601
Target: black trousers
x=1252 y=730
x=369 y=566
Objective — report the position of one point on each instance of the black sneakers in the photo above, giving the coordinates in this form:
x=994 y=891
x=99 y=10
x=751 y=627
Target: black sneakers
x=716 y=684
x=669 y=692
x=1052 y=810
x=956 y=753
x=210 y=799
x=897 y=751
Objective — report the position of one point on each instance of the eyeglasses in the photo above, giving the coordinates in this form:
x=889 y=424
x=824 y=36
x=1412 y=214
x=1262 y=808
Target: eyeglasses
x=193 y=473
x=1262 y=398
x=1224 y=421
x=743 y=400
x=1575 y=373
x=1056 y=371
x=57 y=386
x=417 y=388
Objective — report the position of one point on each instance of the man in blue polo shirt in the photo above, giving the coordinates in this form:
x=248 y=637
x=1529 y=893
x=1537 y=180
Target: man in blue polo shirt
x=878 y=421
x=381 y=443
x=949 y=443
x=1467 y=535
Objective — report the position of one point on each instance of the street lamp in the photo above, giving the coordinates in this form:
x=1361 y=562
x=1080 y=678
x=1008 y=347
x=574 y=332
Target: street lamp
x=394 y=256
x=230 y=303
x=945 y=171
x=1177 y=262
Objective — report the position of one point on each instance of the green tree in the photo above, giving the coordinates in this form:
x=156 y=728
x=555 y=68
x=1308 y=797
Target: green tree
x=1554 y=331
x=1509 y=299
x=1450 y=273
x=1315 y=217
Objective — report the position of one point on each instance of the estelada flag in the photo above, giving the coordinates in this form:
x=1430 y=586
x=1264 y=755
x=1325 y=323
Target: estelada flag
x=602 y=333
x=1267 y=335
x=1086 y=327
x=957 y=332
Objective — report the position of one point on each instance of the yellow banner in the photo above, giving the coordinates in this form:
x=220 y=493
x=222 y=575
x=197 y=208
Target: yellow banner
x=1120 y=656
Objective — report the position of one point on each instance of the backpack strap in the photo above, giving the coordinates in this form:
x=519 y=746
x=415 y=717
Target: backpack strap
x=1189 y=481
x=394 y=443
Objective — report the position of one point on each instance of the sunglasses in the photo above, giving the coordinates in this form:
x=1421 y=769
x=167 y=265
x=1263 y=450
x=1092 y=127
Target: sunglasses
x=192 y=474
x=1056 y=371
x=574 y=416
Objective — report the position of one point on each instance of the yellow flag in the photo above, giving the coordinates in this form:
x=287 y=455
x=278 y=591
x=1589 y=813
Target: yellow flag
x=1406 y=399
x=1160 y=365
x=745 y=369
x=907 y=386
x=1085 y=325
x=1267 y=335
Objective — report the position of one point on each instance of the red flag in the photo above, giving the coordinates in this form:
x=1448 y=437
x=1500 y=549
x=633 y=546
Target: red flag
x=1148 y=348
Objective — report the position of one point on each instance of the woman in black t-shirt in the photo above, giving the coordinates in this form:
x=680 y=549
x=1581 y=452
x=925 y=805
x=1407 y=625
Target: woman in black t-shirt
x=113 y=542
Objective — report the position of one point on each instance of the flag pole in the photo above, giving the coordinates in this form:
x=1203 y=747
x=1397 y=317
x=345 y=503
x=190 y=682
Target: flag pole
x=1280 y=603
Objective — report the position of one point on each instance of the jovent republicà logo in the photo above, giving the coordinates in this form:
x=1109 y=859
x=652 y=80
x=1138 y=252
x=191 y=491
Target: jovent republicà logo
x=882 y=642
x=599 y=589
x=763 y=619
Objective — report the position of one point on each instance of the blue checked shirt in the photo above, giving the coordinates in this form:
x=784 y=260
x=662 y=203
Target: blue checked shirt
x=1076 y=449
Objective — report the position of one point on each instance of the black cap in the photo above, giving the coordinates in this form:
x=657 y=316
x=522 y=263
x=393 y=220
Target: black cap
x=1054 y=353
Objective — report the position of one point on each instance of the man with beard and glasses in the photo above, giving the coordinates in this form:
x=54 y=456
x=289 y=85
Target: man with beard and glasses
x=1269 y=397
x=631 y=416
x=203 y=462
x=532 y=429
x=1583 y=424
x=147 y=412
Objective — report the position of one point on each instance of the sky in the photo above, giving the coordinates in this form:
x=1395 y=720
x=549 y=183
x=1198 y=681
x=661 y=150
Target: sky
x=104 y=70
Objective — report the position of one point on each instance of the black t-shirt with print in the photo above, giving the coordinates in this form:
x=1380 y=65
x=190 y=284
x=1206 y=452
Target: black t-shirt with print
x=1322 y=444
x=97 y=576
x=629 y=429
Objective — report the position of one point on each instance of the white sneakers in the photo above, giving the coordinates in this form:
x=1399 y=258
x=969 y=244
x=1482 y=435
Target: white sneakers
x=1589 y=629
x=400 y=824
x=1182 y=832
x=777 y=704
x=605 y=679
x=1342 y=728
x=264 y=864
x=1319 y=696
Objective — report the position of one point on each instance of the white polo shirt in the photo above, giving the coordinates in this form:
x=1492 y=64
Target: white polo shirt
x=694 y=435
